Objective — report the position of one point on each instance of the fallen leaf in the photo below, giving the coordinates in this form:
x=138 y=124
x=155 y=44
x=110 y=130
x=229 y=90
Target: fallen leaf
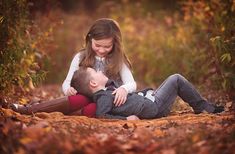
x=23 y=101
x=159 y=133
x=25 y=140
x=168 y=151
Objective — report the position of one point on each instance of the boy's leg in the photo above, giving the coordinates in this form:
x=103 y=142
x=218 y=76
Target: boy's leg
x=177 y=85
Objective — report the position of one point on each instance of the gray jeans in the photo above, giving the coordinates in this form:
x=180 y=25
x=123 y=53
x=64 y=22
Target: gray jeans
x=176 y=85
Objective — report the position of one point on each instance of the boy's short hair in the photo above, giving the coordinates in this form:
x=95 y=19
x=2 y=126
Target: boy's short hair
x=81 y=80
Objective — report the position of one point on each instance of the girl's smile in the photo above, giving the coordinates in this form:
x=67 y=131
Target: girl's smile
x=102 y=47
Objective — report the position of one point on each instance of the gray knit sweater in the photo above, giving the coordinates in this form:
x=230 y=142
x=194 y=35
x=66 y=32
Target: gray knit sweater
x=135 y=104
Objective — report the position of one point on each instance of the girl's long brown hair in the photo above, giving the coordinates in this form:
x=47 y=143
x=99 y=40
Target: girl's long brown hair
x=101 y=29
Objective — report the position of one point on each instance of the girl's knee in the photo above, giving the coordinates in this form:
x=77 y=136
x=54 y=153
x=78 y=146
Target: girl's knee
x=77 y=102
x=89 y=110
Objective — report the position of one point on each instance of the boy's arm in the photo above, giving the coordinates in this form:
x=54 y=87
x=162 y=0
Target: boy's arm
x=104 y=107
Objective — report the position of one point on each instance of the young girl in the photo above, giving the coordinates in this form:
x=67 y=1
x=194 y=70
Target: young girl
x=104 y=52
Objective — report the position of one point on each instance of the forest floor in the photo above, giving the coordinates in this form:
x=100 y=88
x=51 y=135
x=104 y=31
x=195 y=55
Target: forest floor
x=181 y=132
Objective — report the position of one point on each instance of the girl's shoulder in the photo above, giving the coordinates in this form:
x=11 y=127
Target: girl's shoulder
x=82 y=50
x=80 y=53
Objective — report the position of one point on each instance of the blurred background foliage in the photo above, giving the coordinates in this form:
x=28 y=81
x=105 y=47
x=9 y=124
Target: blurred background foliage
x=195 y=38
x=19 y=65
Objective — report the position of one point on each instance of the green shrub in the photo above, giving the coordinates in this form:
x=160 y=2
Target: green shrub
x=18 y=65
x=216 y=20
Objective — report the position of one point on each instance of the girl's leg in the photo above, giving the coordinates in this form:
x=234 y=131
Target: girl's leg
x=58 y=104
x=177 y=85
x=80 y=102
x=89 y=110
x=66 y=105
x=77 y=102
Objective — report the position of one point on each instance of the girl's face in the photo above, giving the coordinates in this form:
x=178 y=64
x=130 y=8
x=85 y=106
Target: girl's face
x=102 y=47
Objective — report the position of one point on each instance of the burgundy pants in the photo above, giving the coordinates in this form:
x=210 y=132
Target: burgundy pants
x=80 y=102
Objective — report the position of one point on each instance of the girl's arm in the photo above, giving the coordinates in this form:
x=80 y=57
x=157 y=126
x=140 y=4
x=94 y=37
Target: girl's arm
x=73 y=67
x=129 y=83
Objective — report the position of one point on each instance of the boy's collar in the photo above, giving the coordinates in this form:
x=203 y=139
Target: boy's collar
x=111 y=83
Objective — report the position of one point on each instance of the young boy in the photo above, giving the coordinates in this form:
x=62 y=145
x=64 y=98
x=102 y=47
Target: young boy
x=96 y=85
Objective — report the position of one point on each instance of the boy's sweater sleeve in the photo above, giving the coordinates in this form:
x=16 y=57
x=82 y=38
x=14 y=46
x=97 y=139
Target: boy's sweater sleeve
x=104 y=107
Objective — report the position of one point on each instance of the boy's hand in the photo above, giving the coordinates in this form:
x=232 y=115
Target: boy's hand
x=132 y=117
x=71 y=91
x=120 y=96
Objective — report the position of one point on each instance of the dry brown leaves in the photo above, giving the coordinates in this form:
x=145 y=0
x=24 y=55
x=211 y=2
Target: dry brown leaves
x=55 y=132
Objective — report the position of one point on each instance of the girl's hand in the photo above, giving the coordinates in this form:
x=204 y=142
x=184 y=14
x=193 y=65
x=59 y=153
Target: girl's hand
x=120 y=96
x=71 y=91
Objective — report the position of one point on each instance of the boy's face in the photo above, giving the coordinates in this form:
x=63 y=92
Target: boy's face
x=98 y=77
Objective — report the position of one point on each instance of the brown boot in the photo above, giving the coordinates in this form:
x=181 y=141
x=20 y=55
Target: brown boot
x=55 y=105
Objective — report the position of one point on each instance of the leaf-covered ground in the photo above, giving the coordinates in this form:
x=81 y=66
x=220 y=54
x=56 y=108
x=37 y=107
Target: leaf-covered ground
x=180 y=132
